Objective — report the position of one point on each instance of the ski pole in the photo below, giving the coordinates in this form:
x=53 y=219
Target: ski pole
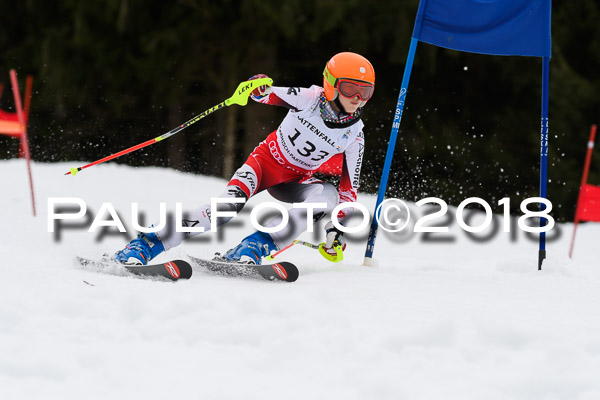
x=240 y=97
x=339 y=256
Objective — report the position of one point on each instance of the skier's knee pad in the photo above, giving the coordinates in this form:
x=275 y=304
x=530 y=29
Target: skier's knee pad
x=233 y=192
x=246 y=179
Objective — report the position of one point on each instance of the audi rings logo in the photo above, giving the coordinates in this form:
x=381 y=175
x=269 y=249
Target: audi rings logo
x=275 y=153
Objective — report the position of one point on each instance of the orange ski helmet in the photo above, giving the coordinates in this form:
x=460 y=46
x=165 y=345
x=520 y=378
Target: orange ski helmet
x=351 y=74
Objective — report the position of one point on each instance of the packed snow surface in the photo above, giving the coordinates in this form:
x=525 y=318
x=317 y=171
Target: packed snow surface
x=455 y=319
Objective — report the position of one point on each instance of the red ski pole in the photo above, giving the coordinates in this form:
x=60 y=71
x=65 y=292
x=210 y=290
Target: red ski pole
x=339 y=256
x=240 y=97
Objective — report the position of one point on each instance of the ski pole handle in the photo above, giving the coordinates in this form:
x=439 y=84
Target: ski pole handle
x=321 y=247
x=240 y=97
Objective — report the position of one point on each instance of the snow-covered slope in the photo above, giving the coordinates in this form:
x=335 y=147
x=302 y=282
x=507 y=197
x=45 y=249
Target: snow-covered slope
x=459 y=320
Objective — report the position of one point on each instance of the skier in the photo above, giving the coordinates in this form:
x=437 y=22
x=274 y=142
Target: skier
x=320 y=123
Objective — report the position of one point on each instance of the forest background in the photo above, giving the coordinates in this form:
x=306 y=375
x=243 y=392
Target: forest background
x=111 y=74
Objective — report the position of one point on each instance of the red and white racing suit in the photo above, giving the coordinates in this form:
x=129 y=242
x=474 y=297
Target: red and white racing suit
x=285 y=161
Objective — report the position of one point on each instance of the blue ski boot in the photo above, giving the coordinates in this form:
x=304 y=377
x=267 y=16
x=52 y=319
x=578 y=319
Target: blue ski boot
x=140 y=250
x=252 y=249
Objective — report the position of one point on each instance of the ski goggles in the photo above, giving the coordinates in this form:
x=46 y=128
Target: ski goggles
x=351 y=87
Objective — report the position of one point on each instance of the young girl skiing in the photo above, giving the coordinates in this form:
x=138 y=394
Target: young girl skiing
x=321 y=123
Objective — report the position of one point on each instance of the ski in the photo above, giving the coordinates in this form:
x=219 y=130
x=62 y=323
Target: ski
x=172 y=270
x=281 y=271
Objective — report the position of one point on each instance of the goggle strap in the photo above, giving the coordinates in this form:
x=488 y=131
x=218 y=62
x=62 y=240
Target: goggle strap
x=328 y=77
